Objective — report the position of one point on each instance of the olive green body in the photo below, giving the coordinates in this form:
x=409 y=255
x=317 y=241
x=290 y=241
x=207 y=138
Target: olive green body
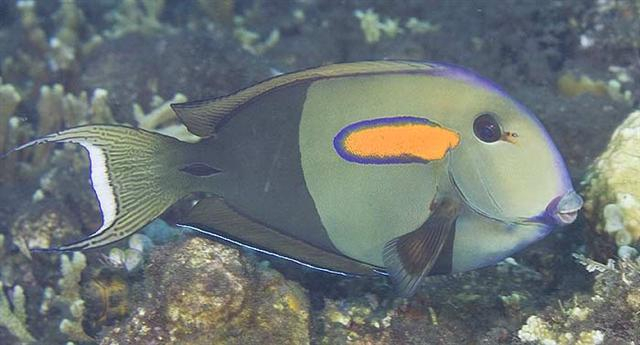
x=279 y=168
x=273 y=158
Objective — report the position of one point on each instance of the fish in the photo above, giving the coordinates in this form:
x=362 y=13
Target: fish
x=399 y=168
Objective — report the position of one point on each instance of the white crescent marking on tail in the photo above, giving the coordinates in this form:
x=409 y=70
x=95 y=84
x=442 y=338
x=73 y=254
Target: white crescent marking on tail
x=101 y=186
x=99 y=177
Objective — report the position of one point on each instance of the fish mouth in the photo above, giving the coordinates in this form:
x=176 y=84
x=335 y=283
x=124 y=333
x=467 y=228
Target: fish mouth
x=567 y=217
x=564 y=209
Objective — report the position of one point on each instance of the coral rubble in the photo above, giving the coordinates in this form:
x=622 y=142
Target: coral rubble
x=607 y=315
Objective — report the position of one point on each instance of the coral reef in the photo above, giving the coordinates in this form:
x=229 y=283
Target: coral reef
x=45 y=225
x=9 y=99
x=69 y=287
x=162 y=119
x=58 y=110
x=250 y=40
x=373 y=28
x=166 y=65
x=66 y=63
x=42 y=55
x=160 y=232
x=204 y=293
x=611 y=188
x=358 y=321
x=220 y=11
x=611 y=26
x=136 y=16
x=607 y=315
x=9 y=133
x=14 y=316
x=109 y=294
x=132 y=257
x=539 y=331
x=67 y=299
x=570 y=85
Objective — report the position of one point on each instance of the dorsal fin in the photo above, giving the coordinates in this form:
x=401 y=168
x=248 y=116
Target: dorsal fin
x=202 y=117
x=212 y=216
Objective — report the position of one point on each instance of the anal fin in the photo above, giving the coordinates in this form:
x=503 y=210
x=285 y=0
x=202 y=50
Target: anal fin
x=410 y=257
x=213 y=217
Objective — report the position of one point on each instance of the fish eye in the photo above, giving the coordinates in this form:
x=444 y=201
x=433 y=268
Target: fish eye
x=486 y=128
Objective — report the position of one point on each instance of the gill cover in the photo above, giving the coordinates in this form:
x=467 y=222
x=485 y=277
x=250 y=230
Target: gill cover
x=515 y=177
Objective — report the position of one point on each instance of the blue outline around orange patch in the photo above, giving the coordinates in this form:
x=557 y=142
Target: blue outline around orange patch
x=340 y=145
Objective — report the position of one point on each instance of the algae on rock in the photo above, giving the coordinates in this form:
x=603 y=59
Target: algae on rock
x=612 y=186
x=42 y=226
x=610 y=314
x=203 y=292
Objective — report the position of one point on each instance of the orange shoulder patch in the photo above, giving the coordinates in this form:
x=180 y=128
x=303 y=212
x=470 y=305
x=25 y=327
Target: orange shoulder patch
x=392 y=140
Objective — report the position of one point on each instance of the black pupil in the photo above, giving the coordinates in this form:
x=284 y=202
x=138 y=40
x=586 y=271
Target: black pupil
x=486 y=128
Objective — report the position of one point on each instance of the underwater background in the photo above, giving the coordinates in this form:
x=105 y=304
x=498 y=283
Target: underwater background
x=575 y=64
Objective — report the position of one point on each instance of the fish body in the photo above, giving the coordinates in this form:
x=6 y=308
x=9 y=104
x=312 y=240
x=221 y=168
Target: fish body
x=383 y=166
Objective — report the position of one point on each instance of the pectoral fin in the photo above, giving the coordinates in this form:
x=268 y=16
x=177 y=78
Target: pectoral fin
x=410 y=257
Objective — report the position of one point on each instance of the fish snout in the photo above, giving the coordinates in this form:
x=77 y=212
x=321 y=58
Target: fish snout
x=564 y=209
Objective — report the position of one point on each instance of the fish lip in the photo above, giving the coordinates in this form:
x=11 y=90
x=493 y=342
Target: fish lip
x=566 y=218
x=568 y=206
x=562 y=210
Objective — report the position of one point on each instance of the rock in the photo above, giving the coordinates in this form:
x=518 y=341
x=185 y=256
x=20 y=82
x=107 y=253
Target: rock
x=612 y=188
x=45 y=224
x=606 y=315
x=357 y=321
x=203 y=292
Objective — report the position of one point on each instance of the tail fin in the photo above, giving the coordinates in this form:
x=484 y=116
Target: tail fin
x=135 y=174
